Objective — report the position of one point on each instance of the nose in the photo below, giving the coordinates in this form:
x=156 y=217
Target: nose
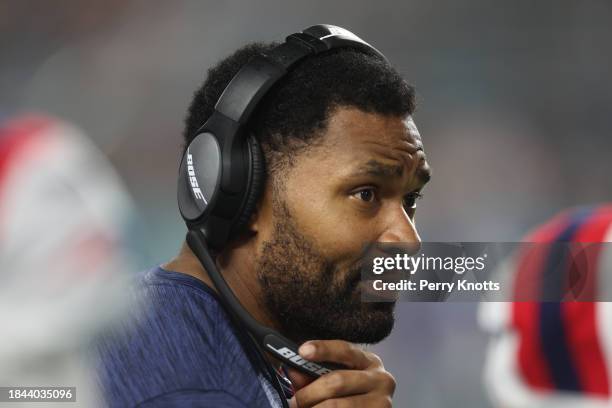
x=400 y=234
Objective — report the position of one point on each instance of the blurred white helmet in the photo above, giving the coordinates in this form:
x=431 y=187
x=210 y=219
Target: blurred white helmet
x=63 y=219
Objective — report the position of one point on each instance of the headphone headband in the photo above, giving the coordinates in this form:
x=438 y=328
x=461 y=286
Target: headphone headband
x=251 y=83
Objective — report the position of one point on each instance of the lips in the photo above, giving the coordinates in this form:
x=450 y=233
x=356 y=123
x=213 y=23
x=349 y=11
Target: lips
x=369 y=294
x=362 y=278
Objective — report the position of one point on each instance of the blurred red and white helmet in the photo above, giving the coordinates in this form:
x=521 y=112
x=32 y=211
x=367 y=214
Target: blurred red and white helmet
x=63 y=219
x=554 y=354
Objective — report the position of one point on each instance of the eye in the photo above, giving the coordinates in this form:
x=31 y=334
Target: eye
x=410 y=200
x=366 y=195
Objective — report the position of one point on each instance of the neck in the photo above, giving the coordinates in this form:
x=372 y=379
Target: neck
x=243 y=283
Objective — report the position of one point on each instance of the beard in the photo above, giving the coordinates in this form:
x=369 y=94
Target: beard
x=309 y=296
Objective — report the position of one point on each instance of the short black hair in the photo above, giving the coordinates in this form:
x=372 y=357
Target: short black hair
x=298 y=106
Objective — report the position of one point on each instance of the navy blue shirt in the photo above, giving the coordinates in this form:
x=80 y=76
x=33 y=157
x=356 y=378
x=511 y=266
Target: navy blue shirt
x=179 y=350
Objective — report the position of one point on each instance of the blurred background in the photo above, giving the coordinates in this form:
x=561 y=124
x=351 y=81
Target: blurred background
x=515 y=103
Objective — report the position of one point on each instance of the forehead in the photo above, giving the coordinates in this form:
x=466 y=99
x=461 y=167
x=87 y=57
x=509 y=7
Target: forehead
x=353 y=135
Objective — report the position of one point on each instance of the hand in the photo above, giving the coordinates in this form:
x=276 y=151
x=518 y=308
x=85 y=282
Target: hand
x=364 y=383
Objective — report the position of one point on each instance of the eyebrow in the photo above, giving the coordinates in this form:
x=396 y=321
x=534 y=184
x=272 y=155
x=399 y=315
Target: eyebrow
x=375 y=168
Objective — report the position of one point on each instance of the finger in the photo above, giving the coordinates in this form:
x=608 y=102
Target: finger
x=336 y=351
x=336 y=384
x=298 y=379
x=358 y=401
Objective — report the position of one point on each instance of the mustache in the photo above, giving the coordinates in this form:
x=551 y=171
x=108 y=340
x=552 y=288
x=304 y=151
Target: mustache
x=356 y=272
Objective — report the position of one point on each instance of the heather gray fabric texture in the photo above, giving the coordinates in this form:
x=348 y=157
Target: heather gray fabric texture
x=179 y=350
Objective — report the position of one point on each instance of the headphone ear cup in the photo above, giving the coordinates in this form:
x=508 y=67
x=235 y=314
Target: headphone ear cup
x=255 y=189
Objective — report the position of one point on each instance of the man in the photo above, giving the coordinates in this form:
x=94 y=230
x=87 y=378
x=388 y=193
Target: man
x=345 y=166
x=555 y=354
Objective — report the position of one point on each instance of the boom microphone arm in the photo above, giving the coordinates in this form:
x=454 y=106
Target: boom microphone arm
x=279 y=346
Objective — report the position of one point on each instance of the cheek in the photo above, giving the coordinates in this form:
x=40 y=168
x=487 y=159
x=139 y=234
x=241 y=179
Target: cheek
x=327 y=221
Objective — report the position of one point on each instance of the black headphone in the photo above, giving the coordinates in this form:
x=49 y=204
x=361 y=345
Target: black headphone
x=222 y=172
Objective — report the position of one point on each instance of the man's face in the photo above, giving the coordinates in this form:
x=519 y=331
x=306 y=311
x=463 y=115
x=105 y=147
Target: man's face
x=356 y=186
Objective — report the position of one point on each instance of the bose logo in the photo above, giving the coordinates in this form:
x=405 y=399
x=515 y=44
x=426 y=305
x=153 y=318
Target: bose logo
x=292 y=356
x=192 y=179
